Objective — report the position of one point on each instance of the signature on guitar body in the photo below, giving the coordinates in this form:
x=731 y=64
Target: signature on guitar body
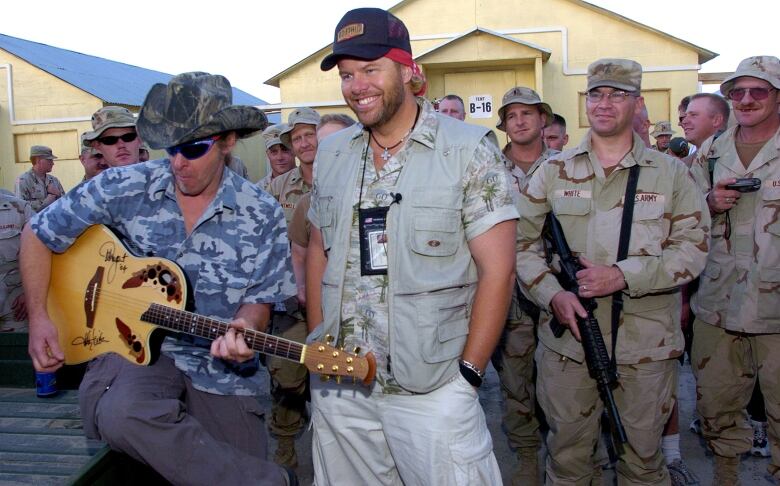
x=103 y=299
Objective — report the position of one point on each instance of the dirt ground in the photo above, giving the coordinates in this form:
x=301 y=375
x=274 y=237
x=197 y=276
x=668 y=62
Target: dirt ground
x=695 y=454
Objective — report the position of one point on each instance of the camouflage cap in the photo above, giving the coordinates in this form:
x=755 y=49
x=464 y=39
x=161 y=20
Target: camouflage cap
x=299 y=116
x=86 y=146
x=761 y=67
x=108 y=117
x=662 y=128
x=42 y=152
x=525 y=96
x=622 y=74
x=272 y=134
x=193 y=106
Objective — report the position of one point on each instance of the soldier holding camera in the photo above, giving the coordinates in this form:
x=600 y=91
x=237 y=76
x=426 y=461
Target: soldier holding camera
x=737 y=307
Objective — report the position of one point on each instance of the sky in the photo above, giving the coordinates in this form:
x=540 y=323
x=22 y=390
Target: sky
x=251 y=41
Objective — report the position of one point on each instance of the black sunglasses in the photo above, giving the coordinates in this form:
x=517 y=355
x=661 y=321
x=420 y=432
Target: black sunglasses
x=193 y=150
x=112 y=139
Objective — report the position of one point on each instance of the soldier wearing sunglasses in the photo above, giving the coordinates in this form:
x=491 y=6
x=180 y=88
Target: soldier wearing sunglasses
x=736 y=334
x=192 y=415
x=113 y=135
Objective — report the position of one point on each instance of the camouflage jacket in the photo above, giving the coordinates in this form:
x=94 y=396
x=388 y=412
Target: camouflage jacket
x=236 y=254
x=34 y=190
x=519 y=177
x=739 y=289
x=668 y=246
x=700 y=165
x=14 y=213
x=288 y=188
x=265 y=182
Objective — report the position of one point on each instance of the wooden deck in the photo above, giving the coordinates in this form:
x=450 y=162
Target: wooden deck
x=41 y=439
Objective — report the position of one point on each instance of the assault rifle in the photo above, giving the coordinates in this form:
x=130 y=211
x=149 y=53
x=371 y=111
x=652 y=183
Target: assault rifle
x=600 y=367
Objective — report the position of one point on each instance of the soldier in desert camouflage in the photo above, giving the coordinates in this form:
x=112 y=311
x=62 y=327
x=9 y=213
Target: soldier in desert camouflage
x=737 y=328
x=584 y=187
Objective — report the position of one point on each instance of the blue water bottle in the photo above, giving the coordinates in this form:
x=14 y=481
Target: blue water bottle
x=45 y=384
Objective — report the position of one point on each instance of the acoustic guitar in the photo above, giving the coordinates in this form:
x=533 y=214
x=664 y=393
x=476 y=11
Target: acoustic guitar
x=104 y=299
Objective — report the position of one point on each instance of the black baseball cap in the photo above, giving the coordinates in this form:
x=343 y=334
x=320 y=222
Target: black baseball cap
x=367 y=34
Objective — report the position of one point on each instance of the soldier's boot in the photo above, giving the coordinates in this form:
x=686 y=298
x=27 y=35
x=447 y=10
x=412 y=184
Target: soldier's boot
x=726 y=471
x=285 y=452
x=526 y=472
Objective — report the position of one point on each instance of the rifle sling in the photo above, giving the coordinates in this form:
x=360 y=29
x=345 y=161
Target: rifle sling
x=625 y=238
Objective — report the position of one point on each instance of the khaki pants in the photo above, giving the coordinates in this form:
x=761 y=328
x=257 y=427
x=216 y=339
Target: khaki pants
x=288 y=381
x=366 y=437
x=726 y=366
x=514 y=362
x=571 y=403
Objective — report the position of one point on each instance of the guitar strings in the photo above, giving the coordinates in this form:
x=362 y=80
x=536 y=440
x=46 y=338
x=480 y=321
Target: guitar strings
x=291 y=349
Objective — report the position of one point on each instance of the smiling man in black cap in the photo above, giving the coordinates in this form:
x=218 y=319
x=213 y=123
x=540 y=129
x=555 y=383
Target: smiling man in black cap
x=411 y=258
x=192 y=415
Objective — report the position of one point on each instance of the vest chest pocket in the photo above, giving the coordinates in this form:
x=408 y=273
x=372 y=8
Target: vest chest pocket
x=647 y=230
x=437 y=230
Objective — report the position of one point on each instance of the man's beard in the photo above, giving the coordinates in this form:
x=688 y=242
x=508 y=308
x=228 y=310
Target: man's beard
x=392 y=100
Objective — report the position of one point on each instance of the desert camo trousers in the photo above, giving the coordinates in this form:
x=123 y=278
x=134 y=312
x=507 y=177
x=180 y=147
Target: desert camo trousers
x=571 y=403
x=726 y=365
x=514 y=362
x=288 y=381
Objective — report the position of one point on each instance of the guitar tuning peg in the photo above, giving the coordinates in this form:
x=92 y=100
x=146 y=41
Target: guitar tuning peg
x=356 y=350
x=328 y=338
x=324 y=378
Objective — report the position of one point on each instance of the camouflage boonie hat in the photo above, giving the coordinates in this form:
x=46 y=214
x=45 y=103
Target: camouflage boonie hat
x=42 y=152
x=526 y=96
x=108 y=117
x=622 y=74
x=193 y=106
x=86 y=146
x=761 y=67
x=662 y=128
x=272 y=135
x=300 y=116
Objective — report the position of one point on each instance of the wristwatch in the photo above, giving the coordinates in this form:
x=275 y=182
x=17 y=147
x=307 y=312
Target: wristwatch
x=471 y=373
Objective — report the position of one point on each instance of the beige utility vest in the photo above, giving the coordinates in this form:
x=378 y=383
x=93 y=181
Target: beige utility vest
x=432 y=277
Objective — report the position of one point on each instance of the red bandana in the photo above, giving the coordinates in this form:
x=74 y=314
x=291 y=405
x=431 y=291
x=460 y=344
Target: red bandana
x=402 y=57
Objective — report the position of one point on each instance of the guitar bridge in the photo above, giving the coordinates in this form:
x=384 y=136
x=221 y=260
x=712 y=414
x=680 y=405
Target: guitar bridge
x=91 y=296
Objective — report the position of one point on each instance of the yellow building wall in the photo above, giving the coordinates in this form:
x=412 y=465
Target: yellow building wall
x=591 y=35
x=37 y=95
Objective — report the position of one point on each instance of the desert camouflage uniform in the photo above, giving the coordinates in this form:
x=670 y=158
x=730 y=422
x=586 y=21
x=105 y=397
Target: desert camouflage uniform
x=33 y=190
x=737 y=328
x=14 y=213
x=514 y=356
x=265 y=182
x=288 y=379
x=237 y=254
x=700 y=165
x=668 y=247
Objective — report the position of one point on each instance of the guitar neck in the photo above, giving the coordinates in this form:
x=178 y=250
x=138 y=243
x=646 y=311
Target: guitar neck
x=208 y=328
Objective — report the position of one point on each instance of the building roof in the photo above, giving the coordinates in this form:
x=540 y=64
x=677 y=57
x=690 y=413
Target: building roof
x=704 y=55
x=111 y=81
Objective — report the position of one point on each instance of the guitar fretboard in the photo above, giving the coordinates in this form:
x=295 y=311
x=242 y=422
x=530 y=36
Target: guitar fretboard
x=206 y=327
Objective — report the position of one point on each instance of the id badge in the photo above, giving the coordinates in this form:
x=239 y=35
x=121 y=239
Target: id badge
x=373 y=241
